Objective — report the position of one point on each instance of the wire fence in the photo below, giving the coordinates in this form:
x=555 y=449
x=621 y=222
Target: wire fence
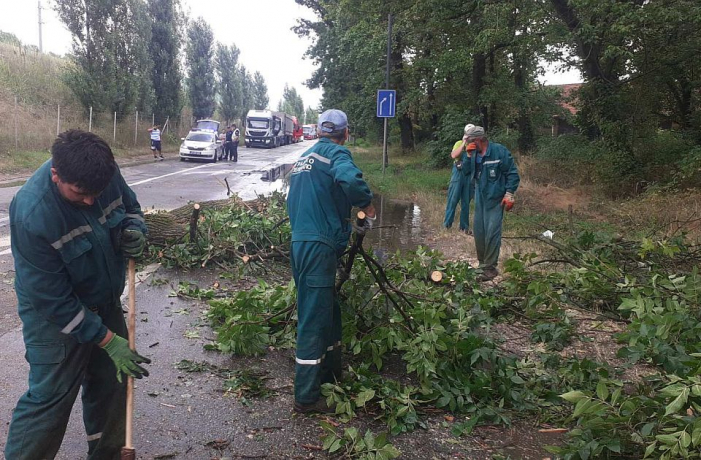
x=28 y=127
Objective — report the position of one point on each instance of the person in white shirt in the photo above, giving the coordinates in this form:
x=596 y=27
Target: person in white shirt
x=156 y=142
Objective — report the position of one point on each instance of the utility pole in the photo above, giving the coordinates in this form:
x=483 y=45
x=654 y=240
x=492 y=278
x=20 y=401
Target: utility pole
x=385 y=157
x=41 y=47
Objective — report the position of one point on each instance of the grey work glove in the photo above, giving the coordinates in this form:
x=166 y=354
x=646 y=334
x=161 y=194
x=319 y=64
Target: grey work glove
x=369 y=222
x=126 y=360
x=133 y=243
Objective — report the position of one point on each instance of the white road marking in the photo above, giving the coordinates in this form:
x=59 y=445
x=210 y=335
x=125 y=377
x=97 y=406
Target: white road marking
x=5 y=252
x=170 y=174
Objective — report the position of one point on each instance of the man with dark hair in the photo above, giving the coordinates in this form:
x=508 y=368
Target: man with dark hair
x=496 y=180
x=324 y=185
x=72 y=225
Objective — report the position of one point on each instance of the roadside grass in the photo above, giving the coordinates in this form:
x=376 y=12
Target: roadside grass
x=26 y=162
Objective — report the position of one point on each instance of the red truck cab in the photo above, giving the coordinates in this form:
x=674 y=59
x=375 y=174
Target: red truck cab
x=297 y=133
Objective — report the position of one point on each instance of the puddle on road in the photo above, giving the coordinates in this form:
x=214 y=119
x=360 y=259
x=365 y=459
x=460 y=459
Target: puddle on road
x=399 y=226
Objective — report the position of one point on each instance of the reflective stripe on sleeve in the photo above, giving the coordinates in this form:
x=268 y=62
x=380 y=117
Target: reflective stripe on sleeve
x=110 y=207
x=491 y=162
x=94 y=437
x=316 y=156
x=74 y=322
x=58 y=244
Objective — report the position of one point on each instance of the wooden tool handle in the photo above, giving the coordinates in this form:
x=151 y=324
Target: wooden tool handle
x=131 y=325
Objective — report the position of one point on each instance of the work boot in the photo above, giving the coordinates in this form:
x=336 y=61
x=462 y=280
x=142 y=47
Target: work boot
x=318 y=407
x=488 y=274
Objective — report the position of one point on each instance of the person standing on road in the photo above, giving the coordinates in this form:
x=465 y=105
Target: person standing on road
x=72 y=225
x=496 y=181
x=156 y=142
x=324 y=185
x=460 y=187
x=227 y=142
x=235 y=143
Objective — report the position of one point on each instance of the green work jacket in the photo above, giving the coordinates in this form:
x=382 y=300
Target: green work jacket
x=499 y=174
x=324 y=186
x=68 y=262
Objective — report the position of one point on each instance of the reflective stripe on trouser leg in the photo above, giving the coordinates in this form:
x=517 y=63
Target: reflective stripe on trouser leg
x=314 y=270
x=454 y=193
x=332 y=369
x=104 y=399
x=486 y=225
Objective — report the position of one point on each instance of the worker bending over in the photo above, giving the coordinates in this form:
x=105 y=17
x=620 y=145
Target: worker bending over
x=72 y=225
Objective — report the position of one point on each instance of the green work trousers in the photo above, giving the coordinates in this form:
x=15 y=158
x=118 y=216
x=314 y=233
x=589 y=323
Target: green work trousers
x=487 y=229
x=58 y=367
x=459 y=191
x=318 y=354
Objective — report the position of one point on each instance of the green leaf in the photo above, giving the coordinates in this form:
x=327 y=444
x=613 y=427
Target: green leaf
x=650 y=449
x=335 y=445
x=363 y=397
x=676 y=405
x=685 y=439
x=573 y=396
x=667 y=439
x=602 y=391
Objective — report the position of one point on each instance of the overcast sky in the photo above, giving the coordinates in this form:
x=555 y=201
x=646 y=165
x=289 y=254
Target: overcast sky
x=260 y=28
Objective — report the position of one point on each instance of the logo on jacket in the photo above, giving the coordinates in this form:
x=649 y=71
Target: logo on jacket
x=303 y=165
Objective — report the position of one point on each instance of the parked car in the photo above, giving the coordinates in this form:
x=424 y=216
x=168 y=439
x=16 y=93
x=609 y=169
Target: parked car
x=201 y=144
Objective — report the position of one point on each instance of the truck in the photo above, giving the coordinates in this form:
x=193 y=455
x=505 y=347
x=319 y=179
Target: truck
x=298 y=133
x=265 y=128
x=310 y=131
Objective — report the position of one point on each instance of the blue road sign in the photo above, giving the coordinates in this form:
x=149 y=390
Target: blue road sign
x=386 y=103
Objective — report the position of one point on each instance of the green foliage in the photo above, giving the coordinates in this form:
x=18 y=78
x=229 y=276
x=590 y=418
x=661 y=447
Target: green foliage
x=260 y=92
x=199 y=52
x=229 y=85
x=252 y=320
x=167 y=22
x=292 y=103
x=351 y=444
x=311 y=116
x=112 y=70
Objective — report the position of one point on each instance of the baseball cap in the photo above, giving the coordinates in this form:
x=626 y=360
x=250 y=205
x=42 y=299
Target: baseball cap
x=333 y=120
x=475 y=131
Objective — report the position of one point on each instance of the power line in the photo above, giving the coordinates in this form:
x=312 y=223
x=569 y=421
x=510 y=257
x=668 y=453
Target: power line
x=41 y=47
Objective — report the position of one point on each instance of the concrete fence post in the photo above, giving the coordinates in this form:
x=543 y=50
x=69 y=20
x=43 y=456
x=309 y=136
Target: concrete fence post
x=136 y=126
x=58 y=119
x=90 y=121
x=114 y=128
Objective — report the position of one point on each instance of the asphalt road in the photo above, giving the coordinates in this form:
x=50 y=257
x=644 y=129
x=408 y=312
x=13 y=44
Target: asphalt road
x=160 y=185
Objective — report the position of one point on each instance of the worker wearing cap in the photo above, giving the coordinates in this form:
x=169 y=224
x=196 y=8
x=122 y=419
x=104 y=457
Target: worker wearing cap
x=496 y=180
x=460 y=187
x=72 y=225
x=324 y=185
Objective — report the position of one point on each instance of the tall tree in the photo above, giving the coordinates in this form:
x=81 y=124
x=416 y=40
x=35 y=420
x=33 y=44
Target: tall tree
x=292 y=102
x=201 y=83
x=311 y=116
x=229 y=83
x=164 y=48
x=112 y=68
x=246 y=91
x=260 y=92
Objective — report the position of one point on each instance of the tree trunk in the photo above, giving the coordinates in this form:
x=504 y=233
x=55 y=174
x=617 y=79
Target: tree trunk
x=406 y=127
x=479 y=71
x=526 y=136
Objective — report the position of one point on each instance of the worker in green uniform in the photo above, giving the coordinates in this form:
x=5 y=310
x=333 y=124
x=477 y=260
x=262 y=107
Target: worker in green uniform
x=496 y=181
x=72 y=225
x=460 y=188
x=324 y=185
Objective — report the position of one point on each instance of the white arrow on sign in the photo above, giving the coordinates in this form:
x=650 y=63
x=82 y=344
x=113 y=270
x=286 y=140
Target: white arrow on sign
x=382 y=102
x=390 y=104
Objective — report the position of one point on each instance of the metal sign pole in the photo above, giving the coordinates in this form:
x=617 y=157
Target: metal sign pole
x=385 y=157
